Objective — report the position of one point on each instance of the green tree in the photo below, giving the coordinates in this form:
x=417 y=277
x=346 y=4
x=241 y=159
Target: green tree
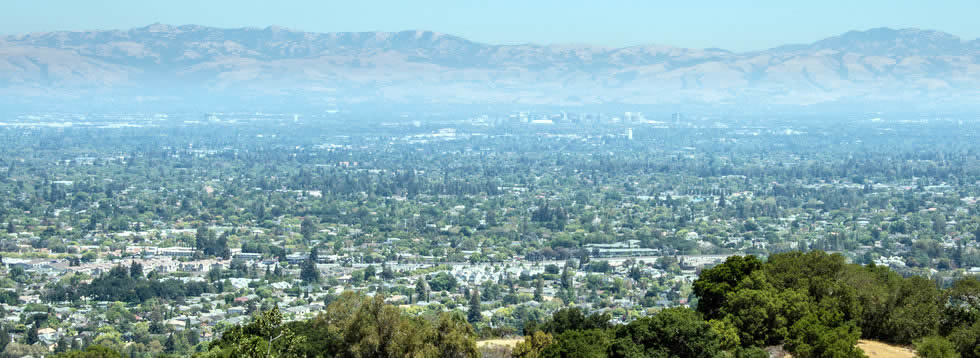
x=15 y=349
x=387 y=273
x=215 y=274
x=135 y=270
x=307 y=229
x=963 y=308
x=170 y=346
x=674 y=332
x=573 y=319
x=935 y=347
x=966 y=339
x=727 y=334
x=422 y=290
x=454 y=337
x=31 y=336
x=821 y=334
x=372 y=330
x=714 y=284
x=473 y=315
x=264 y=336
x=593 y=343
x=309 y=273
x=443 y=282
x=566 y=277
x=63 y=345
x=369 y=272
x=750 y=352
x=539 y=289
x=918 y=310
x=4 y=337
x=357 y=326
x=758 y=316
x=532 y=345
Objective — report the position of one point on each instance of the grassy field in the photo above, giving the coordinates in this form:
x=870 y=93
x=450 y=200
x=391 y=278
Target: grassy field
x=880 y=350
x=510 y=342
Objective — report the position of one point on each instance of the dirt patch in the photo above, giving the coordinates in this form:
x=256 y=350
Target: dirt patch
x=880 y=350
x=509 y=342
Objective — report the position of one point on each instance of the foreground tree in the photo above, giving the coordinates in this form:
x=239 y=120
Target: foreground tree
x=93 y=351
x=454 y=337
x=358 y=326
x=822 y=335
x=674 y=332
x=264 y=337
x=532 y=345
x=935 y=347
x=715 y=283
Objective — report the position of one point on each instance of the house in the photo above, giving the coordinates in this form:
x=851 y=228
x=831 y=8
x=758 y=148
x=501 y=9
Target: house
x=296 y=258
x=247 y=256
x=175 y=251
x=48 y=335
x=299 y=310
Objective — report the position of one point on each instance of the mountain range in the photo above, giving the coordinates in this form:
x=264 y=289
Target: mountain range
x=173 y=63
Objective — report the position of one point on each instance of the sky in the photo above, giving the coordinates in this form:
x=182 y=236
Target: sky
x=732 y=25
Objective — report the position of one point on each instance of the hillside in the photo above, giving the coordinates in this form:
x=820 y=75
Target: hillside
x=428 y=67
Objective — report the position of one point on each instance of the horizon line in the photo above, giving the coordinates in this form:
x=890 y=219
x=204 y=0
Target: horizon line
x=553 y=44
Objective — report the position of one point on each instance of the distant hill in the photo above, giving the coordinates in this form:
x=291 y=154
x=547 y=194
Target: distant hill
x=163 y=61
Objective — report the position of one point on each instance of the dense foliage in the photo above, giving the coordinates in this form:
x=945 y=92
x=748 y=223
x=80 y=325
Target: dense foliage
x=121 y=284
x=352 y=326
x=814 y=304
x=818 y=305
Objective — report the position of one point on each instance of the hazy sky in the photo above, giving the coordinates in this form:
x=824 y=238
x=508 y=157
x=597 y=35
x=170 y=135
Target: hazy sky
x=734 y=25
